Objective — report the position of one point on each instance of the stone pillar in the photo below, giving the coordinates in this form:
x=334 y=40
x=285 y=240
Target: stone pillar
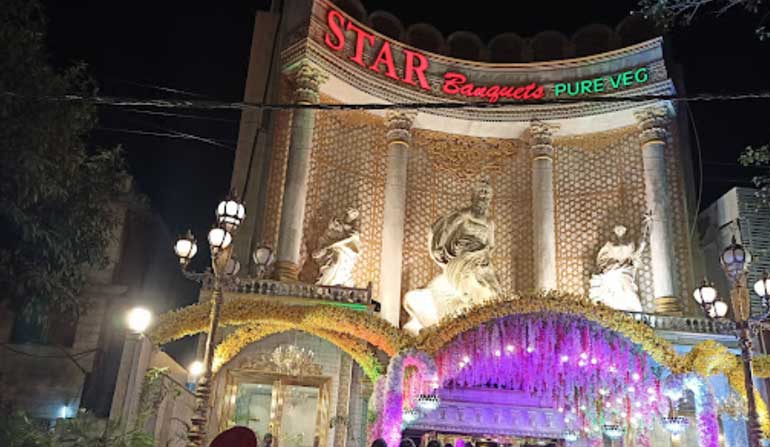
x=342 y=413
x=399 y=138
x=307 y=81
x=653 y=123
x=543 y=217
x=134 y=362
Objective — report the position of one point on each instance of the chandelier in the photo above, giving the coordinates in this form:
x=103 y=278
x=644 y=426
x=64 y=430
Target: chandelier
x=733 y=406
x=295 y=361
x=675 y=425
x=571 y=436
x=428 y=402
x=613 y=431
x=410 y=415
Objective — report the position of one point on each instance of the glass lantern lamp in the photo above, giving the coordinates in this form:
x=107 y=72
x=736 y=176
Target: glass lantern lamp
x=230 y=212
x=186 y=248
x=733 y=260
x=219 y=239
x=762 y=288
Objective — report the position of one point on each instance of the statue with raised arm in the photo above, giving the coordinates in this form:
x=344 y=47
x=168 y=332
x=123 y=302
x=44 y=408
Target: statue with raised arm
x=614 y=283
x=461 y=243
x=338 y=251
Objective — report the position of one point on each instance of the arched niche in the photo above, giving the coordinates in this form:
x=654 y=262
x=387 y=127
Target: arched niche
x=425 y=36
x=595 y=39
x=387 y=24
x=466 y=45
x=550 y=46
x=507 y=47
x=353 y=8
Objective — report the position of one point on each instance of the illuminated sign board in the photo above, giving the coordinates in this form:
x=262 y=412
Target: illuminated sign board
x=415 y=65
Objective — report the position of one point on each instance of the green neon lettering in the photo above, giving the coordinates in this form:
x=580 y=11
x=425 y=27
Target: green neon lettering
x=558 y=89
x=615 y=81
x=598 y=85
x=641 y=75
x=585 y=86
x=627 y=78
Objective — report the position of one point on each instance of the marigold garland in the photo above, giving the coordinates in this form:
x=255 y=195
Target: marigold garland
x=352 y=330
x=244 y=336
x=244 y=310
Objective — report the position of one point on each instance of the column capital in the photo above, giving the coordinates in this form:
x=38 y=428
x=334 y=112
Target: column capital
x=653 y=124
x=541 y=138
x=307 y=83
x=399 y=126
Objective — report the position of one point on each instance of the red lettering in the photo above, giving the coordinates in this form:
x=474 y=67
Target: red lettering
x=410 y=69
x=518 y=92
x=336 y=21
x=467 y=90
x=358 y=55
x=506 y=92
x=528 y=91
x=493 y=93
x=452 y=82
x=539 y=92
x=479 y=91
x=385 y=56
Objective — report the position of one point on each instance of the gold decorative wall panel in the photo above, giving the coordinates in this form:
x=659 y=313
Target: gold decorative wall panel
x=596 y=189
x=441 y=171
x=347 y=170
x=598 y=185
x=277 y=174
x=681 y=221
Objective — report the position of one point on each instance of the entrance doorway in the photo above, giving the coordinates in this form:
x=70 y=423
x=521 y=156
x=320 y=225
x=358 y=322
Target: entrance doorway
x=295 y=410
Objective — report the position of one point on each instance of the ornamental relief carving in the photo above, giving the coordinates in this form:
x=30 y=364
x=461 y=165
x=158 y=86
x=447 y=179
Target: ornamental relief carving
x=467 y=157
x=597 y=140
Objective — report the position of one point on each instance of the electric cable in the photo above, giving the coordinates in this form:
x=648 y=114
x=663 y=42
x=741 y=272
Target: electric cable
x=117 y=101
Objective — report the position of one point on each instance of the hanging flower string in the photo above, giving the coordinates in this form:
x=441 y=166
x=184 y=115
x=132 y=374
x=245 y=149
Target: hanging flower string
x=705 y=405
x=393 y=411
x=593 y=376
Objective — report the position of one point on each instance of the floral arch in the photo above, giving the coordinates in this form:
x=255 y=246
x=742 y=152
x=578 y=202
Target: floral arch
x=538 y=321
x=354 y=332
x=555 y=344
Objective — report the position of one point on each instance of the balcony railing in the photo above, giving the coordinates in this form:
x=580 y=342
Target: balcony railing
x=335 y=294
x=685 y=324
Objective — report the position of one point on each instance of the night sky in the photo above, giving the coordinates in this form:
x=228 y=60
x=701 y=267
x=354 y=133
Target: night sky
x=202 y=49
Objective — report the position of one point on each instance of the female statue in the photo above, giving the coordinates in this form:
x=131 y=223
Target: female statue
x=338 y=252
x=615 y=282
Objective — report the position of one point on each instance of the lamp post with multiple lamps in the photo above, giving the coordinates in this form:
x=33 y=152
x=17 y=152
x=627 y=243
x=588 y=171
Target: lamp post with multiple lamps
x=229 y=215
x=734 y=261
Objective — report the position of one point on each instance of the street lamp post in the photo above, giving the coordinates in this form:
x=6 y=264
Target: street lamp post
x=734 y=263
x=229 y=213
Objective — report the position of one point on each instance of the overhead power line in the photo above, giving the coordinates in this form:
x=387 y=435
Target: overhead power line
x=116 y=101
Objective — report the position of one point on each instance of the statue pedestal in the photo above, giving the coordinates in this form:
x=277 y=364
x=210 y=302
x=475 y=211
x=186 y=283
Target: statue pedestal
x=668 y=305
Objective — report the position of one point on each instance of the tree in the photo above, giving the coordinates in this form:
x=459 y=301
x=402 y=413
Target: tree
x=54 y=188
x=668 y=13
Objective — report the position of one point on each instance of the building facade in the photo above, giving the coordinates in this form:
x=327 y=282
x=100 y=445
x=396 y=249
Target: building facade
x=451 y=244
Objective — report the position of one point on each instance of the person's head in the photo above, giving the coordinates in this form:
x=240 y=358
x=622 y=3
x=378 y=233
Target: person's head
x=434 y=443
x=482 y=196
x=267 y=440
x=619 y=231
x=379 y=442
x=406 y=442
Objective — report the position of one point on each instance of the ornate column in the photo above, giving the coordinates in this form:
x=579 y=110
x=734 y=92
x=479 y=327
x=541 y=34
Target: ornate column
x=653 y=123
x=307 y=81
x=543 y=218
x=399 y=138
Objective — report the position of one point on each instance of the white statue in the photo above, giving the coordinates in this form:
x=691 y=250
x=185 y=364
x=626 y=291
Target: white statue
x=461 y=243
x=614 y=284
x=338 y=252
